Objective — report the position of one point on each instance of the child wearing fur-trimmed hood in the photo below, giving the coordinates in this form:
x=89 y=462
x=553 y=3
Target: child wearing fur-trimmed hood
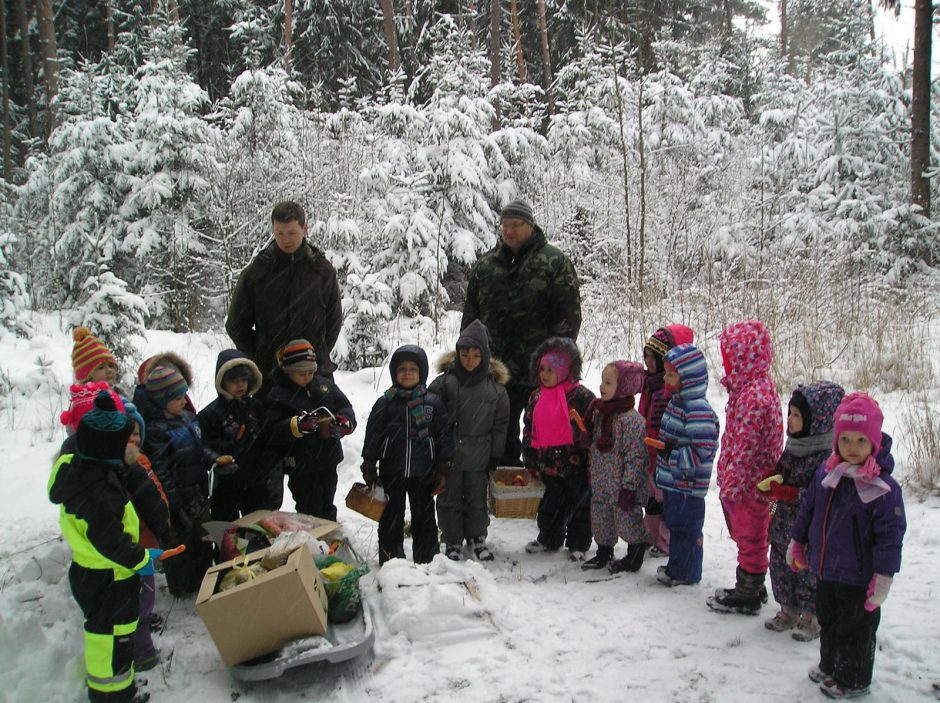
x=472 y=385
x=555 y=444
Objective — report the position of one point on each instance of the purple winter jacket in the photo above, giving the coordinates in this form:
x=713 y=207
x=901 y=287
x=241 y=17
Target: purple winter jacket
x=849 y=541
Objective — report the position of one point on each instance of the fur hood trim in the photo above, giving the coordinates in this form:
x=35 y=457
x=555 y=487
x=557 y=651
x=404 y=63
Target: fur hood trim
x=565 y=344
x=499 y=372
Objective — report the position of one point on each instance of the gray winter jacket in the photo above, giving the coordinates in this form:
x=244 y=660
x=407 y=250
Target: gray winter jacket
x=478 y=408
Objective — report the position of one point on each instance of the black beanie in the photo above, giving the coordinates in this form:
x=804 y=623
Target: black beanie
x=103 y=432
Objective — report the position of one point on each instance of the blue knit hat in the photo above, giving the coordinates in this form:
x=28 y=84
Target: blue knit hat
x=133 y=414
x=103 y=432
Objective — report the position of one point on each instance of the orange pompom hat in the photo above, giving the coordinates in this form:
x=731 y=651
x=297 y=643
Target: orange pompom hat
x=88 y=353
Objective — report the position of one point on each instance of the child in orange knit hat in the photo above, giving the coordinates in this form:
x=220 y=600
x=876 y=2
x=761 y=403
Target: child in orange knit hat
x=92 y=361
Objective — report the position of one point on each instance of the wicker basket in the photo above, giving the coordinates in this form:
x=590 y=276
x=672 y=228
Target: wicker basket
x=514 y=501
x=361 y=499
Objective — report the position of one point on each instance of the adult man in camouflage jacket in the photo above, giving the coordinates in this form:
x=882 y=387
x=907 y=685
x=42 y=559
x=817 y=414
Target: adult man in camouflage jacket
x=288 y=291
x=524 y=290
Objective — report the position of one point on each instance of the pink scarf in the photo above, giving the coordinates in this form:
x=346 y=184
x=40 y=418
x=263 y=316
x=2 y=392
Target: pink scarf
x=867 y=481
x=551 y=420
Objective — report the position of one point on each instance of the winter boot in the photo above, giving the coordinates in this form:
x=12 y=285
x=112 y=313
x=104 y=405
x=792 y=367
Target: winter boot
x=744 y=598
x=604 y=554
x=786 y=619
x=480 y=550
x=454 y=552
x=632 y=562
x=807 y=629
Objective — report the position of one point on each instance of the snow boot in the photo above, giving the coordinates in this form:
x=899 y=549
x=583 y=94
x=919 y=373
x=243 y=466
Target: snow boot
x=786 y=619
x=833 y=690
x=604 y=554
x=480 y=550
x=632 y=562
x=744 y=598
x=807 y=629
x=454 y=552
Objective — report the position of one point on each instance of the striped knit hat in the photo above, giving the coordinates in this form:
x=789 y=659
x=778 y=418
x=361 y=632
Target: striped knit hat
x=518 y=210
x=297 y=355
x=103 y=432
x=88 y=353
x=165 y=383
x=82 y=401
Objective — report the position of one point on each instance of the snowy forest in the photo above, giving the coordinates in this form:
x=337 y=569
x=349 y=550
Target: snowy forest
x=693 y=165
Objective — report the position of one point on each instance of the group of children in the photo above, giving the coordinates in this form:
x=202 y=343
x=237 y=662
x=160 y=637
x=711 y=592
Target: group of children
x=137 y=478
x=821 y=513
x=824 y=506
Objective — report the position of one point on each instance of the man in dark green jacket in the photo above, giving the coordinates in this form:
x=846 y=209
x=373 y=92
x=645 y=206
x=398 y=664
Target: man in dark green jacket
x=288 y=291
x=524 y=290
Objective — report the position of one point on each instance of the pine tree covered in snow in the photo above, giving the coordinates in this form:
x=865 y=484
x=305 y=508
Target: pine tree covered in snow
x=171 y=160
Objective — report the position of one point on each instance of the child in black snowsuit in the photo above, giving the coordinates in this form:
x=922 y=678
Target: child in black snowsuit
x=409 y=446
x=307 y=414
x=181 y=461
x=231 y=425
x=101 y=526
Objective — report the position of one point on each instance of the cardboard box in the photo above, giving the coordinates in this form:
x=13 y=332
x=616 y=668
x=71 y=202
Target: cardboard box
x=259 y=616
x=323 y=528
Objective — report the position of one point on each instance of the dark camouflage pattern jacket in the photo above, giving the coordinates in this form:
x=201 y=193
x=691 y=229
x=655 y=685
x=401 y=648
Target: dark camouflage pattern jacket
x=523 y=299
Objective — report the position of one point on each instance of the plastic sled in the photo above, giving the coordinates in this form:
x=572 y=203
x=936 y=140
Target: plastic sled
x=340 y=643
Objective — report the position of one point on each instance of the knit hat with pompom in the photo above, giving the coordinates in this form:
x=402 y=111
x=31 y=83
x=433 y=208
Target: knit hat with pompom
x=82 y=400
x=88 y=353
x=103 y=431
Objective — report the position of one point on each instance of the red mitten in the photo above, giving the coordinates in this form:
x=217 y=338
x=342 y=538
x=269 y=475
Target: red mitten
x=342 y=426
x=788 y=494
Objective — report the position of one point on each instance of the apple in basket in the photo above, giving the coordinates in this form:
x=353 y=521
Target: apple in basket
x=519 y=480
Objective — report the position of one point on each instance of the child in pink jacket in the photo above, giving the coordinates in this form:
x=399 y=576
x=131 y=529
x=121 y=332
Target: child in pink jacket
x=750 y=447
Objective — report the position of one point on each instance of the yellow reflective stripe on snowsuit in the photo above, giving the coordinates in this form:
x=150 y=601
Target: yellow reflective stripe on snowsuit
x=75 y=532
x=99 y=655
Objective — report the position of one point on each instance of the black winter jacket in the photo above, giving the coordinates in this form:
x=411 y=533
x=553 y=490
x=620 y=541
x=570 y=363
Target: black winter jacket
x=285 y=401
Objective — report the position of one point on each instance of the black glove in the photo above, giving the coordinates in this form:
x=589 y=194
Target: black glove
x=370 y=474
x=666 y=451
x=492 y=465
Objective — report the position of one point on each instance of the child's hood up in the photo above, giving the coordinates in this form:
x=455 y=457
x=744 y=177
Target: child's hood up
x=746 y=349
x=228 y=359
x=692 y=369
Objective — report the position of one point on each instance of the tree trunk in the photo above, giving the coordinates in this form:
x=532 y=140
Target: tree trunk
x=173 y=10
x=391 y=38
x=471 y=13
x=495 y=61
x=109 y=21
x=546 y=59
x=517 y=41
x=26 y=59
x=288 y=21
x=920 y=106
x=729 y=16
x=7 y=141
x=783 y=28
x=49 y=52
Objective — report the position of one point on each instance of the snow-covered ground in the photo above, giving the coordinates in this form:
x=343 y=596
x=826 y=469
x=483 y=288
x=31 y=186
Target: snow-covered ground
x=523 y=628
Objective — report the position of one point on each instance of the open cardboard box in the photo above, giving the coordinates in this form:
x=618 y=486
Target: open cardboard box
x=324 y=527
x=259 y=616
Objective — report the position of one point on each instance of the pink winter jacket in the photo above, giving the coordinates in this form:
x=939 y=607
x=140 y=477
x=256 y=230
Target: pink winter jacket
x=753 y=436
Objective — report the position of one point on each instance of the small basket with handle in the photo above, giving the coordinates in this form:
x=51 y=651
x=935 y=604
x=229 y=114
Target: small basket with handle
x=364 y=501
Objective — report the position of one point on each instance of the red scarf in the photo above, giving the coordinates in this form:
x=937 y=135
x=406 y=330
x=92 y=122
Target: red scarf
x=608 y=410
